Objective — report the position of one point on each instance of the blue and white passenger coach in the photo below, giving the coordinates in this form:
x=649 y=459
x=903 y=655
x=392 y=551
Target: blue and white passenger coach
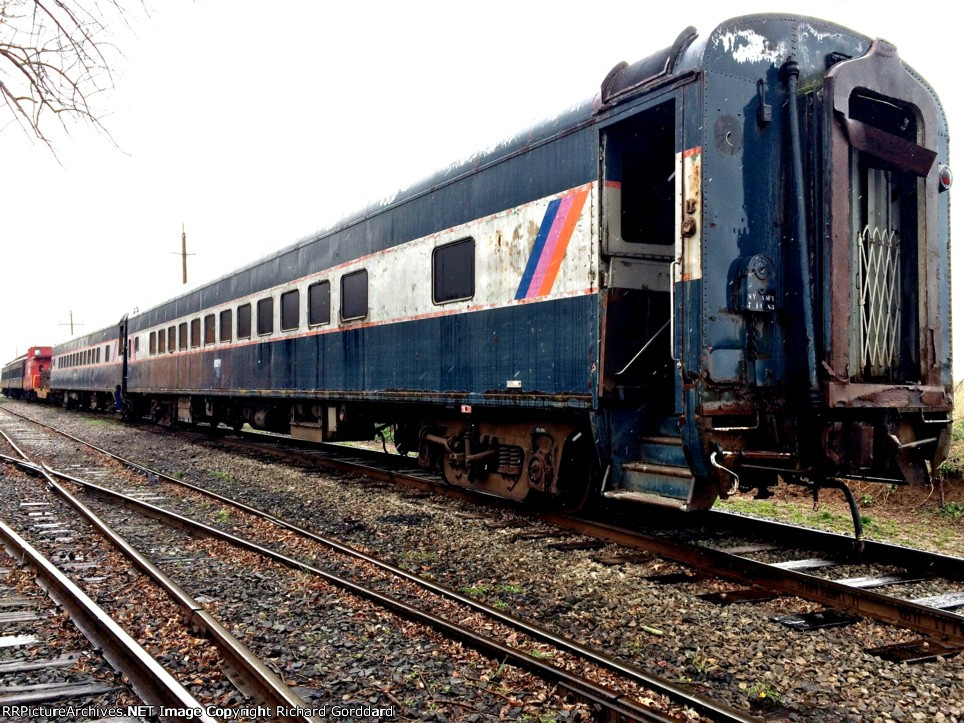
x=731 y=264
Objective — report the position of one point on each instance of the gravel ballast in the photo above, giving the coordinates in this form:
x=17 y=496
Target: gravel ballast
x=734 y=653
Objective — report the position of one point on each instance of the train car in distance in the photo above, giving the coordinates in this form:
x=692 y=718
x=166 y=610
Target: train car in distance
x=87 y=371
x=730 y=265
x=28 y=376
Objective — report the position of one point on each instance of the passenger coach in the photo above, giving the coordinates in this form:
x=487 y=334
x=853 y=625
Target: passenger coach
x=729 y=265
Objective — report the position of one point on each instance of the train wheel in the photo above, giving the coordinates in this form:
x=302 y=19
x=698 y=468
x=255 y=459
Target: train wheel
x=577 y=475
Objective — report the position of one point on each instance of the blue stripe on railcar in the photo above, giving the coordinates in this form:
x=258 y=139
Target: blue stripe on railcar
x=549 y=347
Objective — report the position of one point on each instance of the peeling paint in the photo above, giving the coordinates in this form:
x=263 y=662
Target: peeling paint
x=747 y=46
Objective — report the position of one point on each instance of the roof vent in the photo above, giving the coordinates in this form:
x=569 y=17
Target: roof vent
x=625 y=78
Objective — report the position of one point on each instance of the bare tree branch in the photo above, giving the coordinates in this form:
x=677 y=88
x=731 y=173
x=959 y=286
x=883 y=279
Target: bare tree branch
x=55 y=57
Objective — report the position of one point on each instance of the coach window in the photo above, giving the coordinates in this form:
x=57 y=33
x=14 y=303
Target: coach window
x=182 y=335
x=453 y=271
x=319 y=303
x=244 y=321
x=266 y=316
x=152 y=343
x=290 y=310
x=354 y=295
x=225 y=325
x=107 y=353
x=209 y=329
x=195 y=333
x=137 y=344
x=171 y=338
x=161 y=348
x=97 y=360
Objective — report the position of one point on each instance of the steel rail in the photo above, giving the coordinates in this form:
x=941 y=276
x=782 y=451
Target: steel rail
x=902 y=613
x=928 y=621
x=150 y=680
x=677 y=693
x=680 y=695
x=258 y=680
x=613 y=701
x=882 y=552
x=920 y=618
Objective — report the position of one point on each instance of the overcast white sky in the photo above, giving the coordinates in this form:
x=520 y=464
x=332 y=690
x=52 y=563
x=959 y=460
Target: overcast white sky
x=256 y=124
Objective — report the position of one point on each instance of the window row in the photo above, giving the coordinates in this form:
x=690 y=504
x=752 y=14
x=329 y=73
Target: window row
x=453 y=279
x=236 y=323
x=82 y=358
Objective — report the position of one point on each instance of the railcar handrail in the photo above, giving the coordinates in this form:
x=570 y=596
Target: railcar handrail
x=645 y=346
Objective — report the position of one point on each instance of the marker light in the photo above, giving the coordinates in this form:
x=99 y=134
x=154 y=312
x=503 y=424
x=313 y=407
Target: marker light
x=945 y=178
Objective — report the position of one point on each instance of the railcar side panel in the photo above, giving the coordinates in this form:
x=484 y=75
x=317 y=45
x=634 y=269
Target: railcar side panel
x=529 y=327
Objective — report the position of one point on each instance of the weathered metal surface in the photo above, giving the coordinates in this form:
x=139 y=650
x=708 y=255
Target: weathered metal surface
x=881 y=72
x=153 y=683
x=906 y=396
x=565 y=296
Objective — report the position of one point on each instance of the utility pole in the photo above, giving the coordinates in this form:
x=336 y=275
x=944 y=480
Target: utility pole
x=183 y=254
x=71 y=323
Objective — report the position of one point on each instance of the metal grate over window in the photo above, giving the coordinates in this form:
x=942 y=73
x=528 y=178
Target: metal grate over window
x=878 y=300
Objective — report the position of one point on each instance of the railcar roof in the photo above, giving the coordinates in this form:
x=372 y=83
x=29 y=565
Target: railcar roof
x=685 y=54
x=688 y=53
x=22 y=357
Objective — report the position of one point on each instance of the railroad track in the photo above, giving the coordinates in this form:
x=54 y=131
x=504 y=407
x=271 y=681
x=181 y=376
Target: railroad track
x=536 y=647
x=153 y=683
x=764 y=559
x=743 y=552
x=47 y=667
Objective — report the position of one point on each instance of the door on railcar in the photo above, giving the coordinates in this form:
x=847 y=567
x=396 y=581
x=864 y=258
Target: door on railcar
x=646 y=226
x=639 y=170
x=888 y=295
